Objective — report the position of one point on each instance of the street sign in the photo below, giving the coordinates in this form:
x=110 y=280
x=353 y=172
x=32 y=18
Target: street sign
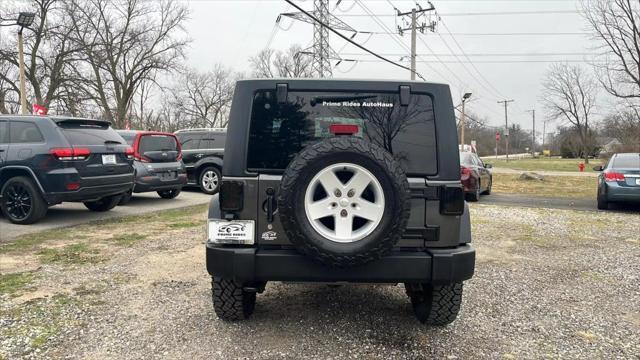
x=497 y=136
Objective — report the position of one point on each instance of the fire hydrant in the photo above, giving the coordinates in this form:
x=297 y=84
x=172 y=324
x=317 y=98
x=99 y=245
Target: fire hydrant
x=581 y=167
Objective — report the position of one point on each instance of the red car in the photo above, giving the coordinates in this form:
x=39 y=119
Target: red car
x=475 y=175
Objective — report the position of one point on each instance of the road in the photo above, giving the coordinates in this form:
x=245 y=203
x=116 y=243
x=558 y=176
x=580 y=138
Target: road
x=500 y=170
x=551 y=203
x=68 y=214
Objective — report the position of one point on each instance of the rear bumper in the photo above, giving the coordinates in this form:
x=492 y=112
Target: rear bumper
x=154 y=183
x=441 y=266
x=88 y=193
x=617 y=193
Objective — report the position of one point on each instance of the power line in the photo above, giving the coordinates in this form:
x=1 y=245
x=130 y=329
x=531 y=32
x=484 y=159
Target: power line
x=493 y=54
x=493 y=13
x=504 y=34
x=393 y=36
x=469 y=59
x=349 y=40
x=497 y=61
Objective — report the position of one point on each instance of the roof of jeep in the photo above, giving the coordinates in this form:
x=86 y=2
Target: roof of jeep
x=340 y=81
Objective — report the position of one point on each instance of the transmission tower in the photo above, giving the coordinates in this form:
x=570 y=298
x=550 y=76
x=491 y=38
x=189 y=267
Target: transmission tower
x=321 y=51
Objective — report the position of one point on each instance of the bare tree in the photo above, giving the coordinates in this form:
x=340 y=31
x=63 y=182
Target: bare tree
x=569 y=94
x=125 y=43
x=48 y=57
x=616 y=24
x=205 y=97
x=270 y=63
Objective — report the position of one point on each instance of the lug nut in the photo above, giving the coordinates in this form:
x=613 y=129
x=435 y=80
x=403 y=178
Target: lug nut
x=337 y=193
x=351 y=193
x=343 y=213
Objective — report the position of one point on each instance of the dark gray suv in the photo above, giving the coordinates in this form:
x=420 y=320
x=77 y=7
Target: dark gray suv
x=48 y=160
x=340 y=181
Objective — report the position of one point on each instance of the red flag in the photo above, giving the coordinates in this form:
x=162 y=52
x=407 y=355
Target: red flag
x=39 y=110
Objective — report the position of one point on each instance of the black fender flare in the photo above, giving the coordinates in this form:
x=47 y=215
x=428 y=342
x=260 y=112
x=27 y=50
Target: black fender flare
x=28 y=170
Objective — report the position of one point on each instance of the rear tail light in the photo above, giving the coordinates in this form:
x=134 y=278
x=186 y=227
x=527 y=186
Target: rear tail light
x=231 y=196
x=73 y=186
x=613 y=176
x=130 y=153
x=465 y=172
x=71 y=153
x=451 y=200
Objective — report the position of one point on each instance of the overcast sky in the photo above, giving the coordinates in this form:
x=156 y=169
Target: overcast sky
x=229 y=32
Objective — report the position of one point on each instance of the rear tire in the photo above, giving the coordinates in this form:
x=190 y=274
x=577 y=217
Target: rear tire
x=169 y=194
x=230 y=301
x=475 y=196
x=209 y=180
x=22 y=202
x=603 y=204
x=105 y=204
x=488 y=191
x=126 y=198
x=436 y=305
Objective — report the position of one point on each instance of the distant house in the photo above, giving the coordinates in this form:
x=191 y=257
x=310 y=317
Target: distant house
x=608 y=144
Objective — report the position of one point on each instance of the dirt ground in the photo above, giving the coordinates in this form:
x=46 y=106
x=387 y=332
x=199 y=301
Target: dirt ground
x=548 y=283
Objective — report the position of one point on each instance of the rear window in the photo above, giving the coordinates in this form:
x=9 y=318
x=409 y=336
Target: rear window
x=189 y=141
x=89 y=133
x=627 y=162
x=157 y=143
x=213 y=141
x=467 y=159
x=279 y=131
x=129 y=137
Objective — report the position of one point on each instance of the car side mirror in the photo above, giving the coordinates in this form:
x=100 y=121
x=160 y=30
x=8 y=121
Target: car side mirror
x=598 y=168
x=488 y=166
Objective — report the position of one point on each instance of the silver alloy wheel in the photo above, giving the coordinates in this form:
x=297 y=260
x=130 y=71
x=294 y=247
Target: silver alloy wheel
x=210 y=180
x=344 y=202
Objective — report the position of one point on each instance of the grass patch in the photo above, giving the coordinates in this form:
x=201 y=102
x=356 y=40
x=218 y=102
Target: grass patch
x=547 y=164
x=571 y=187
x=128 y=239
x=12 y=283
x=156 y=220
x=79 y=253
x=184 y=225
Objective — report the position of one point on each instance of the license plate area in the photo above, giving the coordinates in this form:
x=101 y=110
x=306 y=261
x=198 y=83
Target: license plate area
x=638 y=181
x=231 y=232
x=168 y=175
x=109 y=159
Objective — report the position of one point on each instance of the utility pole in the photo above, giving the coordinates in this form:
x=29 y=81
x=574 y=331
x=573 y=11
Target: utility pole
x=463 y=119
x=23 y=89
x=506 y=126
x=544 y=130
x=533 y=134
x=413 y=26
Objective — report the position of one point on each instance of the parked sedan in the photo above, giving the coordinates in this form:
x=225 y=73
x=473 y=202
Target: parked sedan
x=619 y=180
x=475 y=175
x=157 y=163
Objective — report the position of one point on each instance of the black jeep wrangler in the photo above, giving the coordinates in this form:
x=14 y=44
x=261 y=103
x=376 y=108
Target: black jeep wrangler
x=341 y=181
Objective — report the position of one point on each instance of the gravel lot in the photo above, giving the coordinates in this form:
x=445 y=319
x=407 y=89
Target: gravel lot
x=548 y=283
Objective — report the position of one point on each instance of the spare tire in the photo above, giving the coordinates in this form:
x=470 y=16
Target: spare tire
x=344 y=201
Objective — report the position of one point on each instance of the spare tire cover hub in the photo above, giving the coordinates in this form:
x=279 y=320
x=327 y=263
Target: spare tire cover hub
x=347 y=211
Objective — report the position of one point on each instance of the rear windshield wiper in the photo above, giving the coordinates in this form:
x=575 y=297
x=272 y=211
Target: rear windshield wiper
x=112 y=142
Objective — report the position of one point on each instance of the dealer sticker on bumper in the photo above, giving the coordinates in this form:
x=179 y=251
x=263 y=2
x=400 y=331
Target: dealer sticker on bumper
x=231 y=232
